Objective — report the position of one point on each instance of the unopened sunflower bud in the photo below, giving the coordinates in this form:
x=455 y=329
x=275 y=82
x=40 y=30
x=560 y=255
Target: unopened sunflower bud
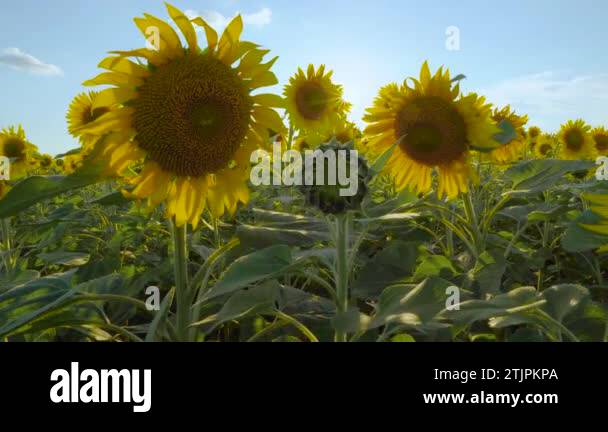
x=342 y=184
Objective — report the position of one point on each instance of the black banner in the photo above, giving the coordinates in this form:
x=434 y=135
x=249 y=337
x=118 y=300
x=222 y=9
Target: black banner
x=247 y=377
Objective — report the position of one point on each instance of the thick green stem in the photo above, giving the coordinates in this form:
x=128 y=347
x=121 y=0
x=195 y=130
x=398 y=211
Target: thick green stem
x=8 y=244
x=469 y=209
x=180 y=259
x=450 y=240
x=342 y=235
x=541 y=272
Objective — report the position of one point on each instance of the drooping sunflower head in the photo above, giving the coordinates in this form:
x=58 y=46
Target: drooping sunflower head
x=15 y=146
x=545 y=146
x=434 y=127
x=575 y=140
x=85 y=109
x=512 y=150
x=600 y=139
x=187 y=121
x=327 y=197
x=314 y=103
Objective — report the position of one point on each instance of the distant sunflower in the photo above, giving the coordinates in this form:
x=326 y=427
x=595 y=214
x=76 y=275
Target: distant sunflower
x=15 y=146
x=46 y=161
x=434 y=126
x=532 y=135
x=600 y=138
x=575 y=140
x=72 y=162
x=187 y=121
x=534 y=132
x=313 y=102
x=344 y=132
x=42 y=162
x=510 y=151
x=84 y=109
x=545 y=146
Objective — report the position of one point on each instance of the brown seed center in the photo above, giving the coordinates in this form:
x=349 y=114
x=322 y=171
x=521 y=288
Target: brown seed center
x=192 y=115
x=432 y=131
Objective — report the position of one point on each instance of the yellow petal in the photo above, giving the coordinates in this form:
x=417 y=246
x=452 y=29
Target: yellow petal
x=264 y=79
x=269 y=118
x=146 y=184
x=245 y=47
x=215 y=200
x=123 y=156
x=113 y=96
x=177 y=201
x=119 y=119
x=259 y=69
x=321 y=71
x=200 y=186
x=251 y=59
x=209 y=32
x=166 y=33
x=310 y=73
x=123 y=65
x=163 y=186
x=269 y=100
x=114 y=78
x=184 y=25
x=228 y=46
x=425 y=74
x=155 y=57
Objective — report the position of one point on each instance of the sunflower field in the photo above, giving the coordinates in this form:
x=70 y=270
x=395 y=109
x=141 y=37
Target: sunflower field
x=468 y=223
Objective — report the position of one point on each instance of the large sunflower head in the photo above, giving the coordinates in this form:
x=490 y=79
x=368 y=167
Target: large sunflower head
x=545 y=146
x=85 y=109
x=15 y=146
x=510 y=151
x=187 y=120
x=314 y=103
x=600 y=139
x=434 y=126
x=575 y=140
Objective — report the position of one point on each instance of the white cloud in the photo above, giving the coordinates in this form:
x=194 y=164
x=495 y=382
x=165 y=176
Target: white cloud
x=218 y=21
x=551 y=98
x=259 y=18
x=20 y=60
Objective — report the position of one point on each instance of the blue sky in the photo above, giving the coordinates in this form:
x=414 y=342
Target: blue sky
x=545 y=57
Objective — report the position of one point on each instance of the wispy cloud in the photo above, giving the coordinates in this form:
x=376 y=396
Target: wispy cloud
x=219 y=21
x=551 y=98
x=17 y=59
